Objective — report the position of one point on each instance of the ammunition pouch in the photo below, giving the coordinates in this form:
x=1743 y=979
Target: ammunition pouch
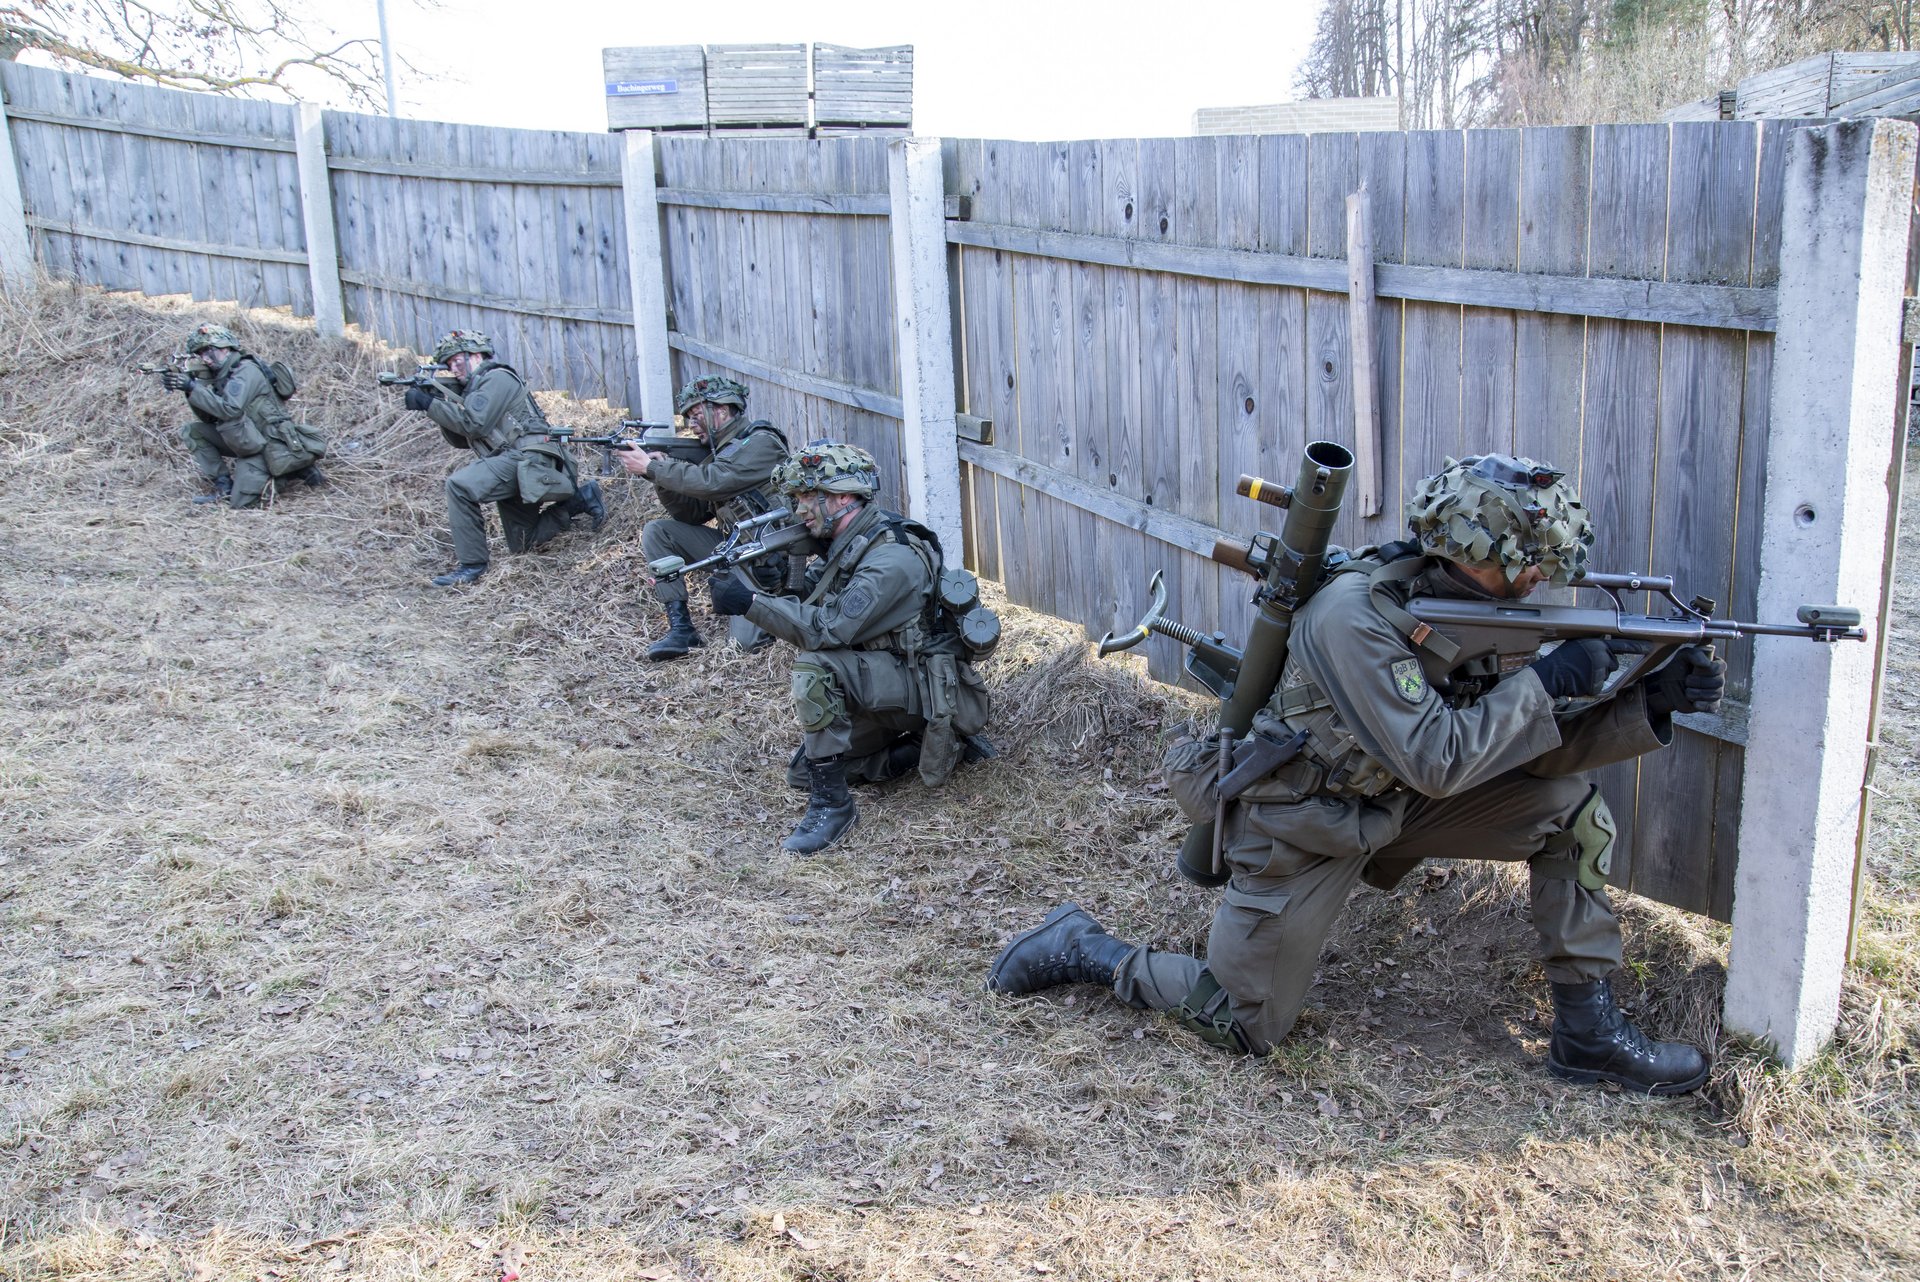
x=957 y=599
x=1583 y=851
x=1206 y=1011
x=546 y=473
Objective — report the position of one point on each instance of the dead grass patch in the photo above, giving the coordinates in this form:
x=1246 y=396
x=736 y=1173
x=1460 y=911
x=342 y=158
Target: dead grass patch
x=355 y=929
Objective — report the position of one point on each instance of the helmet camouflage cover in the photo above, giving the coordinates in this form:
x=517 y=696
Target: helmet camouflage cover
x=453 y=342
x=721 y=391
x=1495 y=509
x=205 y=336
x=829 y=468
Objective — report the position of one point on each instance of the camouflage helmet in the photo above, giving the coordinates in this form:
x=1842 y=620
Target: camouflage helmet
x=455 y=341
x=721 y=391
x=205 y=336
x=1495 y=509
x=829 y=468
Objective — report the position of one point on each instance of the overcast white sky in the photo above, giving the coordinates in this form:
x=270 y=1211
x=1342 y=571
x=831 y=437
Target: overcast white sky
x=982 y=68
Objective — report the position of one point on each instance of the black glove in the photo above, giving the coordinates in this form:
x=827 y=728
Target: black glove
x=730 y=595
x=1695 y=681
x=418 y=398
x=1577 y=668
x=176 y=380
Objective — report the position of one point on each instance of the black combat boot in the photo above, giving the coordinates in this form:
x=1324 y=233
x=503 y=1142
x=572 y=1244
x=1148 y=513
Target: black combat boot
x=310 y=476
x=903 y=756
x=976 y=748
x=1594 y=1042
x=680 y=636
x=1069 y=947
x=830 y=810
x=222 y=490
x=587 y=499
x=460 y=576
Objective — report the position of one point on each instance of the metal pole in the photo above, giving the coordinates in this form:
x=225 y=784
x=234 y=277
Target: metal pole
x=386 y=58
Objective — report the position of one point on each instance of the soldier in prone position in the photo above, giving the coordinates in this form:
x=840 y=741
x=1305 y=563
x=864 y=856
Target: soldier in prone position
x=242 y=435
x=1408 y=758
x=530 y=479
x=728 y=487
x=880 y=686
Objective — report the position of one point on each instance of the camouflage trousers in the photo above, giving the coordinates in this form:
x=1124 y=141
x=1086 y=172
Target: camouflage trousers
x=250 y=472
x=853 y=704
x=496 y=480
x=1293 y=865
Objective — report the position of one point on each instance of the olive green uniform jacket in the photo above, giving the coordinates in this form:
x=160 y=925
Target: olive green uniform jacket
x=518 y=468
x=739 y=467
x=242 y=426
x=866 y=674
x=1453 y=773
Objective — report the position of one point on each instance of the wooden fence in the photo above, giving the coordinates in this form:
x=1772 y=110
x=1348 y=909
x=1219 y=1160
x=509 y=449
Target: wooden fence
x=1132 y=325
x=514 y=232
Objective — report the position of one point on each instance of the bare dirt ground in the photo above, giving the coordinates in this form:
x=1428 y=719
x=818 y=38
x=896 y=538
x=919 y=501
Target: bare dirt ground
x=353 y=929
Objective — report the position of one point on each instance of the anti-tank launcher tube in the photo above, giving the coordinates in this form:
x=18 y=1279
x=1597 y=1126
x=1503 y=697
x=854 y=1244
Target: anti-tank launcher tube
x=1290 y=569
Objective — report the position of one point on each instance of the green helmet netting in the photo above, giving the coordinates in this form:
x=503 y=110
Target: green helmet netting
x=829 y=468
x=1495 y=509
x=456 y=341
x=206 y=336
x=721 y=391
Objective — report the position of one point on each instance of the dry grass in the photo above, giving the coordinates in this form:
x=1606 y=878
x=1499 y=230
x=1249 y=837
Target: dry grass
x=356 y=930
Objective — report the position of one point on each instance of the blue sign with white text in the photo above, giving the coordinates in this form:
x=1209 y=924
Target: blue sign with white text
x=634 y=88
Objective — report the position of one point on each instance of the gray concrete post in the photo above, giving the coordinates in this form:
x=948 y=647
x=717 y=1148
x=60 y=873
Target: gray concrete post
x=923 y=321
x=647 y=276
x=16 y=249
x=1823 y=538
x=316 y=213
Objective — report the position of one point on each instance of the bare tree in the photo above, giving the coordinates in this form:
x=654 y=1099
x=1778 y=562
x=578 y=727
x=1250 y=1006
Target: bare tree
x=218 y=46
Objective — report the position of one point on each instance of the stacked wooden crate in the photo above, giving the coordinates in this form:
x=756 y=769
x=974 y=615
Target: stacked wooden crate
x=862 y=90
x=758 y=88
x=662 y=87
x=1825 y=86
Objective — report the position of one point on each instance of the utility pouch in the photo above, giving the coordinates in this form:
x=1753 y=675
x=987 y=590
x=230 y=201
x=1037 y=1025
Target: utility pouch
x=545 y=474
x=280 y=374
x=940 y=748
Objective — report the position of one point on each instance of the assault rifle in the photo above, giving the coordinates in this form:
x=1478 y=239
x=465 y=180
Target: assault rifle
x=659 y=438
x=773 y=531
x=1510 y=634
x=176 y=363
x=426 y=374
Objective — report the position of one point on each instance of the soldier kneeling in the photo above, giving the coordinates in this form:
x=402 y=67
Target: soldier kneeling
x=242 y=436
x=1410 y=757
x=882 y=684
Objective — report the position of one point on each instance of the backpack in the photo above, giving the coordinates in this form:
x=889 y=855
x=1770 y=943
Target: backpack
x=280 y=374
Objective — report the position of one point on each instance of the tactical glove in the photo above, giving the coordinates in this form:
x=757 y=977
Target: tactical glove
x=1577 y=669
x=1695 y=681
x=175 y=380
x=418 y=398
x=730 y=595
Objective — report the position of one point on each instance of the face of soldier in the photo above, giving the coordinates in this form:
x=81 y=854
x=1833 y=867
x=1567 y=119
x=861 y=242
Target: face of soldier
x=1492 y=579
x=708 y=419
x=461 y=364
x=822 y=513
x=214 y=357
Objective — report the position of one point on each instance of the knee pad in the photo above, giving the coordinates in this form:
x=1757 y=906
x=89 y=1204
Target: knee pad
x=1583 y=850
x=1207 y=1013
x=817 y=701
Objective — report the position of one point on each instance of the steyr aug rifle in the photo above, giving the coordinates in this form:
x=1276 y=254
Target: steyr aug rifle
x=176 y=363
x=775 y=530
x=637 y=434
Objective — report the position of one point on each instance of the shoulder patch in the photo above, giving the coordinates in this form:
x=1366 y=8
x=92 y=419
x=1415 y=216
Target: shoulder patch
x=855 y=602
x=1409 y=680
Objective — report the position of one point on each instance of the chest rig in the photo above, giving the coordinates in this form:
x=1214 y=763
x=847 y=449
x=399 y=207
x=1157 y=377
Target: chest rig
x=915 y=637
x=1332 y=762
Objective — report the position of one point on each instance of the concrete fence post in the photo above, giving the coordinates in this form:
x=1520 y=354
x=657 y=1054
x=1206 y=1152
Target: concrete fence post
x=1823 y=539
x=316 y=212
x=647 y=275
x=923 y=321
x=16 y=250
